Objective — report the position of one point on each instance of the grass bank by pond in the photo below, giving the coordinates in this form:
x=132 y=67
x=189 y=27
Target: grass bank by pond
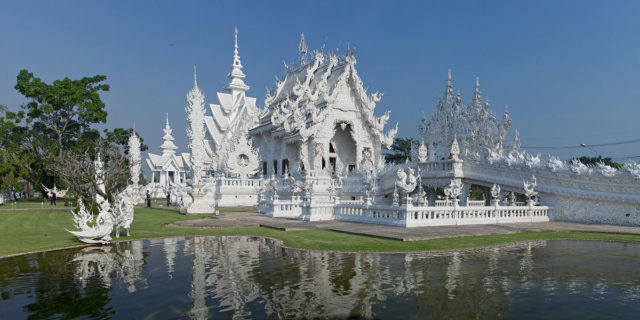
x=42 y=229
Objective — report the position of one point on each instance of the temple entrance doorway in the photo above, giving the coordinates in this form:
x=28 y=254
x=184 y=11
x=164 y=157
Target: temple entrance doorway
x=342 y=149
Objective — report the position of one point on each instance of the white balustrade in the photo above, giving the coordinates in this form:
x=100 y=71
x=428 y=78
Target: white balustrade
x=439 y=216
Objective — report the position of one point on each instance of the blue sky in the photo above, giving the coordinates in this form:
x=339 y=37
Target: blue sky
x=569 y=70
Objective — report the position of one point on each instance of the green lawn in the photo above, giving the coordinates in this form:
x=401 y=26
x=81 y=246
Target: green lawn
x=40 y=229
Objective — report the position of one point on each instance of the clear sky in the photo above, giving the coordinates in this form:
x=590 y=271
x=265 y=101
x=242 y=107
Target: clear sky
x=569 y=70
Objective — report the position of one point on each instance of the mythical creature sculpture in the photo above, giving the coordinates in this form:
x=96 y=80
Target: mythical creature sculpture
x=495 y=191
x=406 y=181
x=578 y=167
x=335 y=186
x=59 y=193
x=532 y=162
x=606 y=170
x=454 y=189
x=529 y=187
x=123 y=208
x=633 y=168
x=555 y=163
x=91 y=231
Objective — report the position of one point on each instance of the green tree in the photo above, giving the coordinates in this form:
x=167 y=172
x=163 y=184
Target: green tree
x=63 y=111
x=593 y=161
x=400 y=150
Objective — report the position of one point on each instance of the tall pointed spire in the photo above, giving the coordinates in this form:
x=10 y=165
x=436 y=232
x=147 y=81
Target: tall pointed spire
x=236 y=75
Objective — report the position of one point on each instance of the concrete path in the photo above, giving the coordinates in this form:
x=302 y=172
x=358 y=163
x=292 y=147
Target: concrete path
x=252 y=219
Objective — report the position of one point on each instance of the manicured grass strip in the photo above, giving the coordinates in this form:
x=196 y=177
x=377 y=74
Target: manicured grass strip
x=41 y=229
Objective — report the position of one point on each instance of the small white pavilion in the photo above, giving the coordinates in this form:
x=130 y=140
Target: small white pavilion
x=167 y=168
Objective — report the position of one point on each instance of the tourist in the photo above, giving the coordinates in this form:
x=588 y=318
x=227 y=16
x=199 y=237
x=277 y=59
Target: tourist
x=52 y=199
x=148 y=199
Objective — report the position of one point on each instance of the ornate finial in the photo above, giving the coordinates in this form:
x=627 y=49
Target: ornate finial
x=477 y=84
x=236 y=75
x=302 y=47
x=448 y=93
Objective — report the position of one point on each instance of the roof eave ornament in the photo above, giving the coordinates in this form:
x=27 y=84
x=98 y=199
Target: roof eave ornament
x=302 y=49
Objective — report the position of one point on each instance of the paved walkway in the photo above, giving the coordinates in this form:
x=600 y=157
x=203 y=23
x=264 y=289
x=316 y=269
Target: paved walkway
x=252 y=219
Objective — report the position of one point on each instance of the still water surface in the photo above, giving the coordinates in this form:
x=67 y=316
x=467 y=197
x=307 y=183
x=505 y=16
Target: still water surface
x=247 y=277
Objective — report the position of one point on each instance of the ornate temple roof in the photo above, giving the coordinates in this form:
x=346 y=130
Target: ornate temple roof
x=312 y=88
x=479 y=131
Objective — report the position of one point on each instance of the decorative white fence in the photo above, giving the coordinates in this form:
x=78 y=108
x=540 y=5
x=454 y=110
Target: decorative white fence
x=439 y=216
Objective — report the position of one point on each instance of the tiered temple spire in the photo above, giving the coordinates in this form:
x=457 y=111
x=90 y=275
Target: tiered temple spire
x=168 y=147
x=236 y=75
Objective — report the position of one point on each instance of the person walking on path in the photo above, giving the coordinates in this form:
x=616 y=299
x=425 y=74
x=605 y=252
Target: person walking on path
x=148 y=199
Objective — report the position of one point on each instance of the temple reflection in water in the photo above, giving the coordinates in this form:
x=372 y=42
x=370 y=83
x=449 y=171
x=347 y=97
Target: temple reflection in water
x=247 y=277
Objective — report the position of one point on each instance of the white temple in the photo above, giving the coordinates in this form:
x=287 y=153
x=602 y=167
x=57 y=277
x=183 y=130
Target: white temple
x=167 y=168
x=314 y=152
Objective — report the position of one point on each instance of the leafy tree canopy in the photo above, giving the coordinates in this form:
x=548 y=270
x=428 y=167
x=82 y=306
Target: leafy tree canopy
x=64 y=110
x=400 y=150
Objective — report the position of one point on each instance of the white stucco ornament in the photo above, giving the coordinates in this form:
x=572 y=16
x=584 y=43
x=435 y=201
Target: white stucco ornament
x=195 y=131
x=606 y=170
x=533 y=161
x=529 y=187
x=422 y=153
x=554 y=163
x=242 y=160
x=454 y=189
x=406 y=181
x=578 y=167
x=135 y=158
x=455 y=149
x=633 y=168
x=495 y=191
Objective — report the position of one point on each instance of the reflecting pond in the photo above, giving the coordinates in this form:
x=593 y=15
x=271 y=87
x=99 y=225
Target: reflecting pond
x=248 y=277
